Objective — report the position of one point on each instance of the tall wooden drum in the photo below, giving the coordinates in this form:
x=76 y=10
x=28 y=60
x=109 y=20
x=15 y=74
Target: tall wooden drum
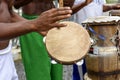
x=103 y=63
x=102 y=29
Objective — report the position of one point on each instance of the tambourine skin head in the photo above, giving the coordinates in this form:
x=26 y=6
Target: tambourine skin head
x=69 y=44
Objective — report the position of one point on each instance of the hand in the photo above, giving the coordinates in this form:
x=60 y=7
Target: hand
x=88 y=1
x=48 y=19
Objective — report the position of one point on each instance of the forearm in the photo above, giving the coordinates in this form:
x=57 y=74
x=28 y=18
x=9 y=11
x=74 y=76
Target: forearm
x=107 y=8
x=111 y=7
x=44 y=22
x=12 y=30
x=76 y=8
x=68 y=2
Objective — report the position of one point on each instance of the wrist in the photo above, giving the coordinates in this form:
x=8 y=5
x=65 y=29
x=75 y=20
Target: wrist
x=84 y=3
x=32 y=25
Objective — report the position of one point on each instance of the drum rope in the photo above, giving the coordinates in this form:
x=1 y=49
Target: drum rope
x=100 y=36
x=118 y=39
x=118 y=42
x=118 y=45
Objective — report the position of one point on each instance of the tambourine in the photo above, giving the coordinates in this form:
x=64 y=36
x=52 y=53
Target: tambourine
x=69 y=44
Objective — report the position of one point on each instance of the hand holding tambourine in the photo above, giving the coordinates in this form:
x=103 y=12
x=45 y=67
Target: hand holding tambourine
x=67 y=45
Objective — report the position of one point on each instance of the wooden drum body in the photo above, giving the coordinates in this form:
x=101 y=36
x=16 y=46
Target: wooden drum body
x=105 y=65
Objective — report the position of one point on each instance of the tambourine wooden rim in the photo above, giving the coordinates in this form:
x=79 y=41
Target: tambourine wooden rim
x=69 y=44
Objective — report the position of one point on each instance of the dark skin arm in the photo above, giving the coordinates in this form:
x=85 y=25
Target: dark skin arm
x=76 y=8
x=111 y=7
x=44 y=22
x=69 y=3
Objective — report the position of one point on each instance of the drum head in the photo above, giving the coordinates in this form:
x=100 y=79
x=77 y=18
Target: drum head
x=69 y=44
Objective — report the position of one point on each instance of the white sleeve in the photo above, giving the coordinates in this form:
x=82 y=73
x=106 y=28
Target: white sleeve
x=78 y=1
x=100 y=1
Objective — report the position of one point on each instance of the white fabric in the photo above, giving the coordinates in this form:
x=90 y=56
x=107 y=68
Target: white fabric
x=7 y=68
x=93 y=9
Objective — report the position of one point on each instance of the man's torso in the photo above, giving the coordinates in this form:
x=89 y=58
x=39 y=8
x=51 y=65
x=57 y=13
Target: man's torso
x=37 y=7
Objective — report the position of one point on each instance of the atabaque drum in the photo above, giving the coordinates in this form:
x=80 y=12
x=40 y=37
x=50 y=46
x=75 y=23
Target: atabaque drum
x=103 y=61
x=69 y=44
x=102 y=29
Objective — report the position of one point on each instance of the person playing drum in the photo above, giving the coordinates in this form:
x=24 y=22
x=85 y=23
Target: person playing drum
x=12 y=25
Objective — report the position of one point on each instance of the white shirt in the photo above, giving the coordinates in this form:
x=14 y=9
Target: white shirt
x=93 y=9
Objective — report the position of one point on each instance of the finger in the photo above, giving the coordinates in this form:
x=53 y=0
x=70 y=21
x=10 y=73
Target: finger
x=58 y=25
x=61 y=11
x=58 y=9
x=61 y=17
x=62 y=8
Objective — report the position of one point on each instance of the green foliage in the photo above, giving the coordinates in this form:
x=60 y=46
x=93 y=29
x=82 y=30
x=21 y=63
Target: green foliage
x=112 y=1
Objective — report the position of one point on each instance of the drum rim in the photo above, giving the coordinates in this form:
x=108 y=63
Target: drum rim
x=100 y=24
x=70 y=62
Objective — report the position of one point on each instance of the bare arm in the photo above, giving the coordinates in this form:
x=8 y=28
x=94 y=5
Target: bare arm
x=11 y=30
x=111 y=7
x=79 y=6
x=68 y=3
x=76 y=8
x=44 y=22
